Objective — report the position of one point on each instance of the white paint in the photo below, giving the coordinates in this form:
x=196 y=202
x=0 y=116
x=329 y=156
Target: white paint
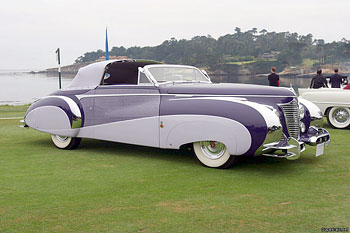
x=313 y=109
x=47 y=118
x=72 y=105
x=144 y=131
x=326 y=98
x=89 y=77
x=177 y=130
x=183 y=129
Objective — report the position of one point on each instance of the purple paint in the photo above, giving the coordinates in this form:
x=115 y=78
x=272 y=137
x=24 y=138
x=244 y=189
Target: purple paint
x=242 y=113
x=223 y=89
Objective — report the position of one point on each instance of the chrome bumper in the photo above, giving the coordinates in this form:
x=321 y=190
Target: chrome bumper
x=316 y=136
x=290 y=148
x=24 y=125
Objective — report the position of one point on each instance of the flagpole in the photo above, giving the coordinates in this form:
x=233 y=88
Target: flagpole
x=107 y=52
x=59 y=67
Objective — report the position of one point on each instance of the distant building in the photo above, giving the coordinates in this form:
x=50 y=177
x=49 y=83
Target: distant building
x=270 y=55
x=112 y=58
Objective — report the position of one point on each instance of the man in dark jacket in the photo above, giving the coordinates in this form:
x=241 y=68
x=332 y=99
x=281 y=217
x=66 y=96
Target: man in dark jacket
x=274 y=79
x=318 y=81
x=336 y=80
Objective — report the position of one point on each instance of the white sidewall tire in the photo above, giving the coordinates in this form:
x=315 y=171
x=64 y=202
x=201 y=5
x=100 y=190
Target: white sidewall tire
x=59 y=143
x=335 y=123
x=214 y=163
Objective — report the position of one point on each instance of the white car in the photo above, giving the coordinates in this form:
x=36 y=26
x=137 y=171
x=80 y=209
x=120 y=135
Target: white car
x=333 y=103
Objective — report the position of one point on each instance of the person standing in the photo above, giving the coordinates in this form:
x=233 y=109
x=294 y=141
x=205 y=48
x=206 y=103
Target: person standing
x=318 y=81
x=336 y=80
x=274 y=79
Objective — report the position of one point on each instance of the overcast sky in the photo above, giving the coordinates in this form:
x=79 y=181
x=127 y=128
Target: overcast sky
x=31 y=31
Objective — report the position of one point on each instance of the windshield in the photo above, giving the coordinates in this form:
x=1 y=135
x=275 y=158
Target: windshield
x=177 y=74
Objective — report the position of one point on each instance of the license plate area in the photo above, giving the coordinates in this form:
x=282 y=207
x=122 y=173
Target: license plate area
x=320 y=149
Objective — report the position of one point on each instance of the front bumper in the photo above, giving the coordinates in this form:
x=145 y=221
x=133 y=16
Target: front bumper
x=291 y=148
x=316 y=136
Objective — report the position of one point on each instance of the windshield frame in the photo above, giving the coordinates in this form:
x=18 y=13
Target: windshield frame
x=150 y=76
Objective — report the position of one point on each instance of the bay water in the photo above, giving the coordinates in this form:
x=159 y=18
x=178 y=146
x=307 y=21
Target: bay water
x=20 y=87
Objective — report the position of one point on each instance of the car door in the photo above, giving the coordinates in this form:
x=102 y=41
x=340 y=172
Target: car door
x=127 y=113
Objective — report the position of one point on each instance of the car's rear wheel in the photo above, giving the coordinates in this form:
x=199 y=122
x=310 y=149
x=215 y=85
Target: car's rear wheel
x=213 y=154
x=339 y=117
x=63 y=142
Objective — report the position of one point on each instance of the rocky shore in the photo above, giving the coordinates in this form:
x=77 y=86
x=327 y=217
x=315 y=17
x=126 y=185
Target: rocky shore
x=344 y=68
x=69 y=70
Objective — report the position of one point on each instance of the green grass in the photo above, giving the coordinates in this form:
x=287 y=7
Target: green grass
x=112 y=187
x=239 y=63
x=308 y=62
x=7 y=111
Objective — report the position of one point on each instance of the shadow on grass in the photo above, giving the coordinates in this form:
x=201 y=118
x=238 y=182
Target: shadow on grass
x=261 y=164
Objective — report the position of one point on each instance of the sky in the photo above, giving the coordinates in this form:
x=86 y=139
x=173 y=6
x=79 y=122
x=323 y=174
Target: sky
x=31 y=31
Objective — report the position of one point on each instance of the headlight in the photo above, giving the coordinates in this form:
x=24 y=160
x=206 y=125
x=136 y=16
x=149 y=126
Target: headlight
x=302 y=127
x=301 y=111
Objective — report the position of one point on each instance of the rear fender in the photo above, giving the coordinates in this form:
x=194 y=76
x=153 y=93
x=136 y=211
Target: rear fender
x=55 y=115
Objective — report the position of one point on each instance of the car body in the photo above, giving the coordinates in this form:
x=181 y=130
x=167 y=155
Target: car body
x=168 y=106
x=333 y=103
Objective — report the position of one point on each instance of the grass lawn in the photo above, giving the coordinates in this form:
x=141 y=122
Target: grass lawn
x=309 y=62
x=112 y=187
x=239 y=63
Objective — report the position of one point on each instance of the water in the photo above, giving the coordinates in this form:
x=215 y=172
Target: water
x=23 y=88
x=295 y=82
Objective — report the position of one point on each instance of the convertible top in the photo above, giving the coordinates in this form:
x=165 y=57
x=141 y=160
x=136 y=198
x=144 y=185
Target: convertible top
x=90 y=76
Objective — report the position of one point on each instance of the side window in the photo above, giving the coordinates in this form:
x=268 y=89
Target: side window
x=143 y=80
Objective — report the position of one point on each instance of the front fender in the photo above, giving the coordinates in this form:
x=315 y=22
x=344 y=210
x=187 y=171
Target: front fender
x=182 y=129
x=224 y=119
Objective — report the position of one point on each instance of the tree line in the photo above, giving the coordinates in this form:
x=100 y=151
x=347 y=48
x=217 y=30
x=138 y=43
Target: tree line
x=241 y=47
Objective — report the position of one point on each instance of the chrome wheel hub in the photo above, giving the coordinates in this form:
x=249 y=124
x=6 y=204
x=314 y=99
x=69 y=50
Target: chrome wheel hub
x=61 y=138
x=341 y=116
x=212 y=149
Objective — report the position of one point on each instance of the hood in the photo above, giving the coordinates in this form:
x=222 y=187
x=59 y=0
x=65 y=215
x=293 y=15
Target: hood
x=224 y=89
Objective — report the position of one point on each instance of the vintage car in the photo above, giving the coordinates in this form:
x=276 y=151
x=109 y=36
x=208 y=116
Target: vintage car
x=333 y=103
x=168 y=106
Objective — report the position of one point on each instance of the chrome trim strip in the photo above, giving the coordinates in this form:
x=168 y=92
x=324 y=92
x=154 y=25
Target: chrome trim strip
x=179 y=95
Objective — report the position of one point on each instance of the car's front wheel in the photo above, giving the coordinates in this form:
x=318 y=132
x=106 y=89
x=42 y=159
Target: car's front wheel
x=63 y=142
x=213 y=154
x=339 y=117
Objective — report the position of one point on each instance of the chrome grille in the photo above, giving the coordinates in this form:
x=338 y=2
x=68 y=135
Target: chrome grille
x=291 y=114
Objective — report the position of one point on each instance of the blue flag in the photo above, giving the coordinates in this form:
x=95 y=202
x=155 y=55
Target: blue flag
x=107 y=52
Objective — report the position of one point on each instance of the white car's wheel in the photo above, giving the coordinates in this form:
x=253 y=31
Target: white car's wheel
x=339 y=117
x=63 y=142
x=213 y=154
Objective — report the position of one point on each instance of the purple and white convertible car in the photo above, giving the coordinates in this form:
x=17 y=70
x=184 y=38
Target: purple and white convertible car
x=168 y=106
